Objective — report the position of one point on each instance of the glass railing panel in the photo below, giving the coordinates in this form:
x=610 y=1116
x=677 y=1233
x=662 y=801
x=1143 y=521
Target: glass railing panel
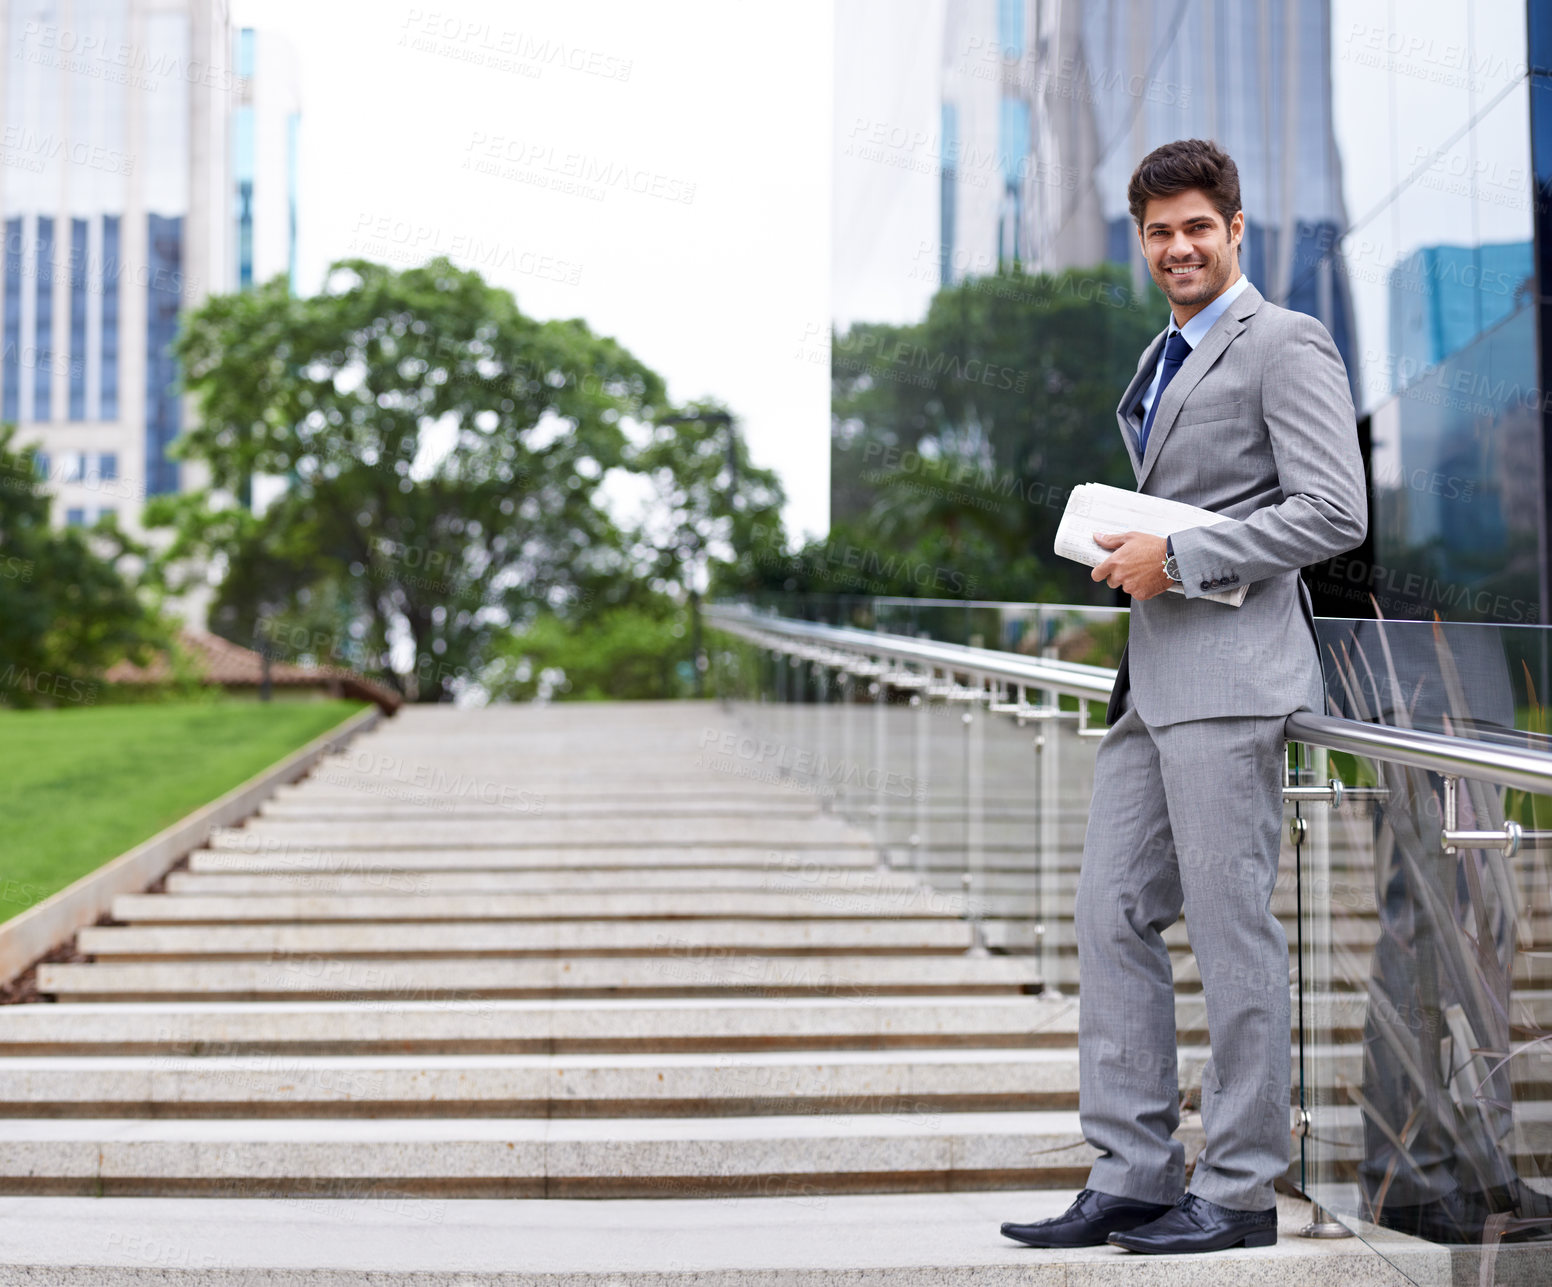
x=1462 y=679
x=1421 y=972
x=1427 y=971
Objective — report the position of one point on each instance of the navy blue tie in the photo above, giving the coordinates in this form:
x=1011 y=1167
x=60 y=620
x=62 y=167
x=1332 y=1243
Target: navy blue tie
x=1176 y=350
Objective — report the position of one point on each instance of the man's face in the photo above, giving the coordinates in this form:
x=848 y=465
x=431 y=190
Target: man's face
x=1191 y=254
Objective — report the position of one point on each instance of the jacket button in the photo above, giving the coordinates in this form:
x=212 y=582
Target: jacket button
x=1206 y=585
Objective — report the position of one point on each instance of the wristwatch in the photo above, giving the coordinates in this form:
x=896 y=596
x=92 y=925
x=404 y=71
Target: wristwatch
x=1171 y=568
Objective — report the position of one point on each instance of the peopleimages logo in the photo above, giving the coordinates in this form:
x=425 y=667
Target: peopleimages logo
x=734 y=746
x=1393 y=584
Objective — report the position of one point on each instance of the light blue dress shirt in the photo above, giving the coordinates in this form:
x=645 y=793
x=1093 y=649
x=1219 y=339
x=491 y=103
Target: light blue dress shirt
x=1194 y=332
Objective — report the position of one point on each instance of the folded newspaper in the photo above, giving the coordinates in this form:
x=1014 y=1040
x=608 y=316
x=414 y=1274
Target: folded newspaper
x=1095 y=507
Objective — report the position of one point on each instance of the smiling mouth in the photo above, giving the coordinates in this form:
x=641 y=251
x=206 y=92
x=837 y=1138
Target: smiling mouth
x=1183 y=270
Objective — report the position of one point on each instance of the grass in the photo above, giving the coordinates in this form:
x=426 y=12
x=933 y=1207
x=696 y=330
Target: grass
x=80 y=786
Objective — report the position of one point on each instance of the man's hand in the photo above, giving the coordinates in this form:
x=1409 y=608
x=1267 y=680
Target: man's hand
x=1136 y=566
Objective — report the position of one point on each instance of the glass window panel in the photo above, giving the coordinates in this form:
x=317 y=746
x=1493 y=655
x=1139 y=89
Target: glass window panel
x=43 y=323
x=78 y=268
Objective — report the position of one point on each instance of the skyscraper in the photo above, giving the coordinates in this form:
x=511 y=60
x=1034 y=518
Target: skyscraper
x=117 y=193
x=266 y=124
x=1395 y=165
x=1067 y=98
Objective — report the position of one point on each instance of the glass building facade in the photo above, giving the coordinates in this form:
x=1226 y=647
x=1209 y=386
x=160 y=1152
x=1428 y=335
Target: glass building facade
x=1395 y=163
x=265 y=141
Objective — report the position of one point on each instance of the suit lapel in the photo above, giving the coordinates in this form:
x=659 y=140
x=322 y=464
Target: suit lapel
x=1135 y=390
x=1200 y=361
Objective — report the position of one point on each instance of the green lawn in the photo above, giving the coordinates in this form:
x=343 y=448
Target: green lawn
x=80 y=786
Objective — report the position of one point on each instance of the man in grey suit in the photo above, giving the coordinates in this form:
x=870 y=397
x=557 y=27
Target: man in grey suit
x=1242 y=408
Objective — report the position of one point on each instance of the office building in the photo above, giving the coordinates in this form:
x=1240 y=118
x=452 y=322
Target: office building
x=1389 y=160
x=149 y=161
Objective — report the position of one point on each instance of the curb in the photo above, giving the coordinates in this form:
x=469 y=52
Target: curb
x=40 y=929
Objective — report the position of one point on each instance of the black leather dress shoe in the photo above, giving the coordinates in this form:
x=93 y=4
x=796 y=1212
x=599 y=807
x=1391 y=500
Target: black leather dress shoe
x=1087 y=1222
x=1452 y=1219
x=1195 y=1224
x=1510 y=1213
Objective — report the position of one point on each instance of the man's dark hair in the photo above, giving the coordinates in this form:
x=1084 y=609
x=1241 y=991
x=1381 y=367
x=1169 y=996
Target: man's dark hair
x=1179 y=167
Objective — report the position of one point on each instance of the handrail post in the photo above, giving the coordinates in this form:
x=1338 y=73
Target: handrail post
x=1048 y=845
x=918 y=839
x=975 y=828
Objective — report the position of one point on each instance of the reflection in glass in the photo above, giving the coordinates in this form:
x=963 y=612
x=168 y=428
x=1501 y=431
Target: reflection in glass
x=1444 y=1044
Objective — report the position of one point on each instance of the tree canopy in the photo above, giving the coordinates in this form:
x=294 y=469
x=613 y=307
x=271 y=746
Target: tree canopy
x=67 y=608
x=444 y=460
x=956 y=439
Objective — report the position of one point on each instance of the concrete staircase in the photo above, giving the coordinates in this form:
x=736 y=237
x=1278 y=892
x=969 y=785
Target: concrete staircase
x=548 y=953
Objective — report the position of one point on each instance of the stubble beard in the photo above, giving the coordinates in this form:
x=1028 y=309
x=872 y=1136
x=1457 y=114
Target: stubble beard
x=1199 y=292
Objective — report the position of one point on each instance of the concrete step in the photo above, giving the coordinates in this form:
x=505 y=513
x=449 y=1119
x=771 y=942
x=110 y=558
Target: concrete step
x=585 y=1156
x=922 y=1082
x=537 y=1026
x=454 y=1026
x=916 y=1082
x=787 y=875
x=336 y=781
x=652 y=905
x=525 y=938
x=783 y=1234
x=885 y=927
x=534 y=830
x=778 y=878
x=689 y=972
x=548 y=1157
x=254 y=855
x=430 y=809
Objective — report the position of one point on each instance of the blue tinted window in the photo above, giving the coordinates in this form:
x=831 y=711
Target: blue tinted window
x=75 y=516
x=108 y=466
x=293 y=152
x=11 y=373
x=949 y=167
x=78 y=319
x=1010 y=27
x=111 y=268
x=163 y=409
x=43 y=328
x=243 y=169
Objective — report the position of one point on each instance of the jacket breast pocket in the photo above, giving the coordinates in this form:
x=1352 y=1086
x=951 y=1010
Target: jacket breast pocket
x=1212 y=412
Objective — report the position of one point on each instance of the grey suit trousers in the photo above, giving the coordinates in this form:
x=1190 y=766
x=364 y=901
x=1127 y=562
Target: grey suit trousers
x=1185 y=816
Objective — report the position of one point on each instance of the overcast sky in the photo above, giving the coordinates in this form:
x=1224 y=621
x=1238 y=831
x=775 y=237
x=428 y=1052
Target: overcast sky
x=700 y=131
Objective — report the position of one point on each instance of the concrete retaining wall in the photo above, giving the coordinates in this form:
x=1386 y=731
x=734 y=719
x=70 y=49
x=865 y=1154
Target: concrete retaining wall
x=38 y=930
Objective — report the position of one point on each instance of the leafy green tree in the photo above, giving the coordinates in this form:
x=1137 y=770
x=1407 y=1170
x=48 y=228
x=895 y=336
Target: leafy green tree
x=711 y=505
x=69 y=607
x=443 y=455
x=935 y=562
x=631 y=652
x=976 y=422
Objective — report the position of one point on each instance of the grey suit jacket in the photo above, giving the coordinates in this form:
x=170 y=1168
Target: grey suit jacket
x=1257 y=424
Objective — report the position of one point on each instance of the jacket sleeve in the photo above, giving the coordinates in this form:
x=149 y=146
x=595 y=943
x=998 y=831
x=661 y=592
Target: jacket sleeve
x=1308 y=411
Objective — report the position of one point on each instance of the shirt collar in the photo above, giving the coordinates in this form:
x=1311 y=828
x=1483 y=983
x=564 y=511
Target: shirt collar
x=1195 y=329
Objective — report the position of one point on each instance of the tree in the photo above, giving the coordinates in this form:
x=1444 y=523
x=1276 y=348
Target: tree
x=67 y=608
x=442 y=452
x=632 y=652
x=712 y=505
x=976 y=422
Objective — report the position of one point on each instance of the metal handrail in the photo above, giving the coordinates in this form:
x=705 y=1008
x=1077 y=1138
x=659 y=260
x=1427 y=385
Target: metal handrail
x=1521 y=767
x=1067 y=678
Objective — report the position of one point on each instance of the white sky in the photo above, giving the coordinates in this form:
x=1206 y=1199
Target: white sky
x=886 y=213
x=726 y=294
